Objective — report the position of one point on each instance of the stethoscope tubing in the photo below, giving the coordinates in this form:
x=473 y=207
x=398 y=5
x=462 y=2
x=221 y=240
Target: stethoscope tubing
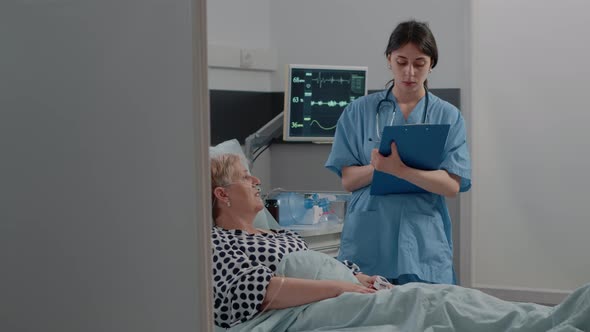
x=388 y=91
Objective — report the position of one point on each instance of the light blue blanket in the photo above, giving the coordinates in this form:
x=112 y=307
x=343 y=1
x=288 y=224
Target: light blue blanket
x=413 y=307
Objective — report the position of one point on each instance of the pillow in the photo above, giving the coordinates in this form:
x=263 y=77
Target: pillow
x=231 y=146
x=263 y=219
x=309 y=264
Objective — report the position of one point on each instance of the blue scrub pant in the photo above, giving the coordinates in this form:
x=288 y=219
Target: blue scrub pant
x=407 y=278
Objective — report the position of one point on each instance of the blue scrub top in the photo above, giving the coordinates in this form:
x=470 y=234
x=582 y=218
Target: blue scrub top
x=398 y=234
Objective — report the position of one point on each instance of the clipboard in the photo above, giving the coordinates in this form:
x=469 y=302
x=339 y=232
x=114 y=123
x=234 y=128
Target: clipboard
x=419 y=146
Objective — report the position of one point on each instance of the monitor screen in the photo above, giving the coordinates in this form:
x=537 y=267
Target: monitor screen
x=315 y=96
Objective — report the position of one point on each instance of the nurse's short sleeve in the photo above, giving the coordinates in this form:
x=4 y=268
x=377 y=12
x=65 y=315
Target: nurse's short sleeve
x=346 y=147
x=457 y=160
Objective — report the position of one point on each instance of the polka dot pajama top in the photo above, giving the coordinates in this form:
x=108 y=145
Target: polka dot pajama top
x=242 y=267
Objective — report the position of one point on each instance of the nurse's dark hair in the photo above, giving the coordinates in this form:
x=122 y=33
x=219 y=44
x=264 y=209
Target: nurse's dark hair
x=417 y=33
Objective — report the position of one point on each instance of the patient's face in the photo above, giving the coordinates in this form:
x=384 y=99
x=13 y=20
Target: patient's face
x=243 y=191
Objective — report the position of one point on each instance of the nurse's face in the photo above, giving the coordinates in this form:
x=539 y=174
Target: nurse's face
x=410 y=68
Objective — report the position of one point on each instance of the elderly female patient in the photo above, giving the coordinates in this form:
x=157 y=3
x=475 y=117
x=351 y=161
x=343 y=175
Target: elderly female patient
x=245 y=258
x=247 y=261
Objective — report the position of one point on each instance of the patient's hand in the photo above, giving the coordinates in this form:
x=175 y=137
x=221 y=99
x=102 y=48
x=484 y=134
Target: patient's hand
x=369 y=281
x=365 y=280
x=344 y=286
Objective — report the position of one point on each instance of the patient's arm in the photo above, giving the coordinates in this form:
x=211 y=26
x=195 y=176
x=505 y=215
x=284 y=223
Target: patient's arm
x=295 y=291
x=356 y=177
x=365 y=280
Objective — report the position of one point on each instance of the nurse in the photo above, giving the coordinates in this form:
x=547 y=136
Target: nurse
x=404 y=237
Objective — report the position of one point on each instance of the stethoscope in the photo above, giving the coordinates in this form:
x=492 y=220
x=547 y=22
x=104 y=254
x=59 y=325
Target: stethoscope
x=386 y=100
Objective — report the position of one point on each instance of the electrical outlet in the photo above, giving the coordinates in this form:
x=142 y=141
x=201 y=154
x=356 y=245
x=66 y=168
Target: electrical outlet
x=223 y=56
x=246 y=58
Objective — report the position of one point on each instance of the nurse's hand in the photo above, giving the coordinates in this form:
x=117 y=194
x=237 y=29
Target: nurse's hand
x=391 y=164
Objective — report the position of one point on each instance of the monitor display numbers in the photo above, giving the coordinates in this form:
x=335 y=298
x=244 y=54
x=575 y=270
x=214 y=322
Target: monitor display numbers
x=317 y=97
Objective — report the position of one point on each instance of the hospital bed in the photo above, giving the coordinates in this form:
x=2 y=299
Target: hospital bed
x=411 y=307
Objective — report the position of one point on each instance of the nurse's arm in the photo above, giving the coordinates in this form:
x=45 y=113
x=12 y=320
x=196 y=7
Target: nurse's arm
x=356 y=177
x=439 y=182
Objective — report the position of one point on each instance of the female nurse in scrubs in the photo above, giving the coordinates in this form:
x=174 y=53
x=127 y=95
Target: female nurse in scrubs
x=404 y=237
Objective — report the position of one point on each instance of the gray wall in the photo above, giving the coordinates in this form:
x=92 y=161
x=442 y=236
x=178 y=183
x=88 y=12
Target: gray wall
x=353 y=32
x=531 y=153
x=331 y=32
x=98 y=213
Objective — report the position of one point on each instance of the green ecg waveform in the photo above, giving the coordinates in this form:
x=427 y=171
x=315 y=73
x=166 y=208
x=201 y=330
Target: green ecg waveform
x=324 y=128
x=330 y=103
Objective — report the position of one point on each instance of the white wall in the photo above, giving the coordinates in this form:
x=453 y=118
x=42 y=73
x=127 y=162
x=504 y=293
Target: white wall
x=530 y=146
x=99 y=198
x=352 y=32
x=239 y=24
x=335 y=32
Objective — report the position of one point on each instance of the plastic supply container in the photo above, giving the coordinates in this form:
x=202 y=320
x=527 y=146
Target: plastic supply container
x=291 y=208
x=299 y=208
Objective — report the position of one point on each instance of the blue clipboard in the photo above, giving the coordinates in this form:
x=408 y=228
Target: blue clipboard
x=419 y=146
